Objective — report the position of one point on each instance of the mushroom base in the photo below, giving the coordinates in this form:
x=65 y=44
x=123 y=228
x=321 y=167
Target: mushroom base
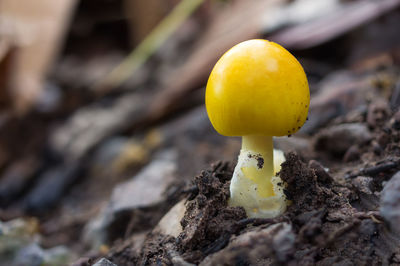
x=245 y=191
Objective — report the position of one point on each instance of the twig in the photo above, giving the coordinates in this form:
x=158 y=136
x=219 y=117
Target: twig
x=373 y=215
x=374 y=170
x=339 y=232
x=333 y=236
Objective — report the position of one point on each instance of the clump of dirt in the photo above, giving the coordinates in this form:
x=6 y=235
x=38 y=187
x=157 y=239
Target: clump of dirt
x=325 y=223
x=208 y=221
x=308 y=188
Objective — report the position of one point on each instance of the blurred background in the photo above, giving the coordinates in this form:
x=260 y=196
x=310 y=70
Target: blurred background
x=102 y=118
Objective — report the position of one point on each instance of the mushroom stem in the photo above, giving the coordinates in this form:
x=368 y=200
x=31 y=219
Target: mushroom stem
x=262 y=172
x=253 y=184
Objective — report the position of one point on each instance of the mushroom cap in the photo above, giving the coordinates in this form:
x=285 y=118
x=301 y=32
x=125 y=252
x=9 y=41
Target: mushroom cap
x=257 y=88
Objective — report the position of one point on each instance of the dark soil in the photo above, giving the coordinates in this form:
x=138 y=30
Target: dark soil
x=333 y=219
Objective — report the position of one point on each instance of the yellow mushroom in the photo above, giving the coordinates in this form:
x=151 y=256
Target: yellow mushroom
x=257 y=90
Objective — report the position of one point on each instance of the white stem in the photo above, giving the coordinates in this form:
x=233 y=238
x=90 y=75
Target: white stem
x=253 y=184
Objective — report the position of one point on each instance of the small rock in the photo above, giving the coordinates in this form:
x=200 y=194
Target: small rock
x=170 y=224
x=51 y=187
x=390 y=203
x=148 y=186
x=339 y=138
x=104 y=262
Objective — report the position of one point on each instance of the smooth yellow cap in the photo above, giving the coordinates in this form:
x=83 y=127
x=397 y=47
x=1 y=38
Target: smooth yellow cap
x=257 y=88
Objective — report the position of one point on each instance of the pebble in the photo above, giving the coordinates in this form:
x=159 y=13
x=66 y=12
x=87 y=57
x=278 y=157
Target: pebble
x=104 y=262
x=170 y=224
x=50 y=187
x=147 y=187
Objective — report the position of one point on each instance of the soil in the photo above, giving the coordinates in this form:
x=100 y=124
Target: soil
x=333 y=218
